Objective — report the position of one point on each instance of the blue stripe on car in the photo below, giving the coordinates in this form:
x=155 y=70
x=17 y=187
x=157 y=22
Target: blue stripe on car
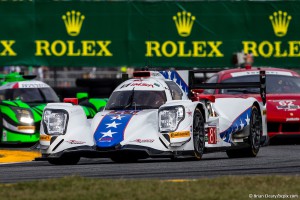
x=174 y=76
x=111 y=128
x=238 y=124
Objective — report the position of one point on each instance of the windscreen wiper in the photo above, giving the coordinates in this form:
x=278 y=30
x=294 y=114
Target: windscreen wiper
x=130 y=100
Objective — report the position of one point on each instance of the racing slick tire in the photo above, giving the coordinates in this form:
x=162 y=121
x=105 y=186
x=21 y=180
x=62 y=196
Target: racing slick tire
x=198 y=134
x=253 y=138
x=64 y=160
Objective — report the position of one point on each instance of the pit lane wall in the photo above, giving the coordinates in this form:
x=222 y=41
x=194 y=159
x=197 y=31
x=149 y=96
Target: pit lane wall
x=154 y=33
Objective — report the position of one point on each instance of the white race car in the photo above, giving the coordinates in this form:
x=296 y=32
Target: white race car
x=151 y=115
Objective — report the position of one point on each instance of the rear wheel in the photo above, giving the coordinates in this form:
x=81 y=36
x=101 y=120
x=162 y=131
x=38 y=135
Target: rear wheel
x=64 y=160
x=198 y=134
x=253 y=139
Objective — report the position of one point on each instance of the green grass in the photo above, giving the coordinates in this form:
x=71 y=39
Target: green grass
x=226 y=187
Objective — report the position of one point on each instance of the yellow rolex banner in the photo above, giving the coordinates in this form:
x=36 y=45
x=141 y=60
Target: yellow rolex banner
x=157 y=34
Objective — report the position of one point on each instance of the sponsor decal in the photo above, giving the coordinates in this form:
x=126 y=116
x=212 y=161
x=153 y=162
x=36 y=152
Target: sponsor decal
x=111 y=128
x=184 y=22
x=7 y=48
x=26 y=128
x=180 y=134
x=139 y=83
x=142 y=85
x=246 y=73
x=73 y=21
x=119 y=114
x=75 y=142
x=286 y=105
x=45 y=137
x=105 y=139
x=280 y=22
x=292 y=119
x=143 y=140
x=32 y=85
x=189 y=113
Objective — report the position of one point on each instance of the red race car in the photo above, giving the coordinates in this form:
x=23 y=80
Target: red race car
x=283 y=95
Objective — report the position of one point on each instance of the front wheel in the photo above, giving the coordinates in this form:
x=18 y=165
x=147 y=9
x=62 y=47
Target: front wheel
x=253 y=138
x=198 y=134
x=64 y=160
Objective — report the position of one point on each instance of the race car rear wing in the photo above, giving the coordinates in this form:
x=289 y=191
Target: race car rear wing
x=261 y=84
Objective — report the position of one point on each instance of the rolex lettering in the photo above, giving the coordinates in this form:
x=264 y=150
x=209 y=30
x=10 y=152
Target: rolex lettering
x=67 y=48
x=6 y=48
x=280 y=22
x=198 y=49
x=73 y=21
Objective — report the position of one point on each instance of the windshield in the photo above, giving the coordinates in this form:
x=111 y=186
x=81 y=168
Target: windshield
x=276 y=84
x=136 y=99
x=32 y=95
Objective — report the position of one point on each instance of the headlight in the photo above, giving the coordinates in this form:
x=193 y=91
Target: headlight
x=170 y=117
x=24 y=115
x=55 y=121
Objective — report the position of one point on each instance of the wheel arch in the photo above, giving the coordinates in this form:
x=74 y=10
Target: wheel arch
x=262 y=111
x=257 y=106
x=202 y=110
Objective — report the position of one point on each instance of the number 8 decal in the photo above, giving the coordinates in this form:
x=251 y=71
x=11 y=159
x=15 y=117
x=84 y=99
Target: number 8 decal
x=212 y=135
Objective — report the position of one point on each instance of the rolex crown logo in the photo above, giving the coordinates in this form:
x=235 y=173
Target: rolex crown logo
x=280 y=22
x=184 y=22
x=73 y=21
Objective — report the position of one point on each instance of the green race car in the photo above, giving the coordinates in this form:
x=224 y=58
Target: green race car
x=22 y=102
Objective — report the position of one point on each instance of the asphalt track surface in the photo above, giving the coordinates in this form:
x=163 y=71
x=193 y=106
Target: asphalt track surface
x=273 y=159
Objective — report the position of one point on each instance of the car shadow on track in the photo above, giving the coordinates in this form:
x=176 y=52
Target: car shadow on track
x=88 y=161
x=285 y=140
